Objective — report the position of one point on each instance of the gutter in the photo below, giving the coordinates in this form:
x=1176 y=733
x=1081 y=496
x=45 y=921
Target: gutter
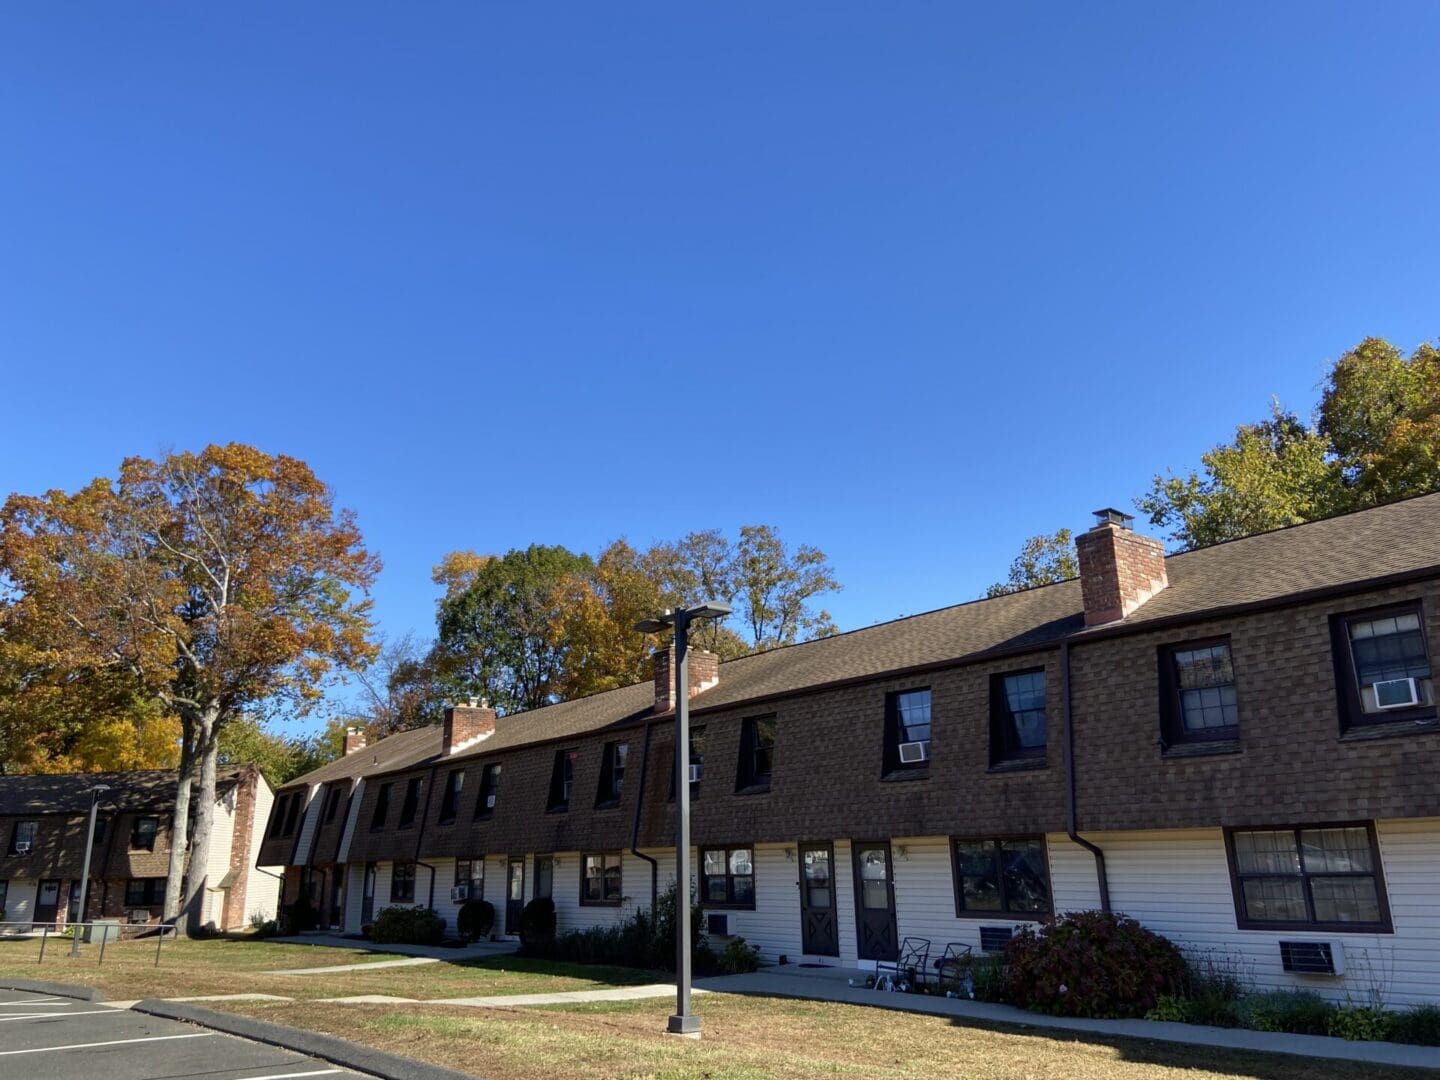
x=1071 y=810
x=635 y=826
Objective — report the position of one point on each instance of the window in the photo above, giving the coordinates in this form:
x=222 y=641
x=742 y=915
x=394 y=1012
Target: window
x=471 y=872
x=728 y=877
x=1017 y=717
x=1383 y=666
x=277 y=816
x=454 y=781
x=332 y=803
x=4 y=893
x=544 y=876
x=600 y=879
x=562 y=780
x=907 y=730
x=1197 y=693
x=292 y=813
x=1002 y=877
x=411 y=804
x=145 y=892
x=757 y=754
x=402 y=883
x=101 y=824
x=1325 y=877
x=612 y=774
x=22 y=837
x=489 y=790
x=382 y=807
x=142 y=833
x=696 y=765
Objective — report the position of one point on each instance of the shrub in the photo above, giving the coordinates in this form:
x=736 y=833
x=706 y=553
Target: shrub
x=301 y=916
x=537 y=921
x=987 y=977
x=1177 y=1010
x=263 y=927
x=1299 y=1012
x=1089 y=963
x=646 y=939
x=1420 y=1026
x=1361 y=1023
x=739 y=957
x=475 y=919
x=407 y=926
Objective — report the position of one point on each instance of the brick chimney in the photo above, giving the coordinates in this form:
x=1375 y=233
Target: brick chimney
x=1119 y=568
x=704 y=670
x=466 y=725
x=354 y=740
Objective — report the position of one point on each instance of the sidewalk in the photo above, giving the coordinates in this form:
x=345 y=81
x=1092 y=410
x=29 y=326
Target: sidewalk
x=434 y=952
x=832 y=987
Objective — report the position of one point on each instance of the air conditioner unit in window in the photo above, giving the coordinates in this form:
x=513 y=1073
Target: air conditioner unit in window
x=1312 y=957
x=138 y=915
x=22 y=847
x=718 y=923
x=694 y=774
x=459 y=894
x=995 y=938
x=912 y=753
x=489 y=802
x=1396 y=693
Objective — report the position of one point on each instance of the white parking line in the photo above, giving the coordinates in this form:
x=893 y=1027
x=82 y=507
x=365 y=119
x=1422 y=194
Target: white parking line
x=39 y=1001
x=287 y=1076
x=108 y=1042
x=56 y=1016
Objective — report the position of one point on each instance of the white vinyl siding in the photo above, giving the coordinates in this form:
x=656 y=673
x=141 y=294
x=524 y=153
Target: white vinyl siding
x=262 y=890
x=357 y=796
x=309 y=822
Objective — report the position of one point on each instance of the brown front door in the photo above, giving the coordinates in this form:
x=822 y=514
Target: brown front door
x=875 y=902
x=47 y=902
x=514 y=895
x=819 y=932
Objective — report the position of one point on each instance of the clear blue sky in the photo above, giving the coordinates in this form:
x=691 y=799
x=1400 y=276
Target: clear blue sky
x=911 y=281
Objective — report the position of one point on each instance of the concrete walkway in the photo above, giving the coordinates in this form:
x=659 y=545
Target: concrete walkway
x=372 y=965
x=507 y=1001
x=770 y=983
x=435 y=952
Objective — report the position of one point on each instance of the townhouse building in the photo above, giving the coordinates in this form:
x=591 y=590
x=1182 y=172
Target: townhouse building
x=43 y=825
x=1237 y=745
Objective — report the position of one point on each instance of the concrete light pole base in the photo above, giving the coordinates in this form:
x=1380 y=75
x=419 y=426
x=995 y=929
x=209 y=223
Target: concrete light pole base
x=687 y=1027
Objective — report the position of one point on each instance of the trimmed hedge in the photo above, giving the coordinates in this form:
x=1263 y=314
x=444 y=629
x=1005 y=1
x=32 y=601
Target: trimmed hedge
x=407 y=926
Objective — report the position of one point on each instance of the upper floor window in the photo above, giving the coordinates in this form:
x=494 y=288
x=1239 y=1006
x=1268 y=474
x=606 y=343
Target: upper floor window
x=23 y=836
x=382 y=807
x=402 y=883
x=757 y=754
x=600 y=879
x=489 y=790
x=454 y=781
x=411 y=804
x=562 y=780
x=332 y=803
x=142 y=833
x=1321 y=877
x=696 y=765
x=907 y=730
x=1002 y=877
x=292 y=813
x=612 y=774
x=1197 y=682
x=101 y=825
x=728 y=877
x=277 y=816
x=1383 y=666
x=1017 y=716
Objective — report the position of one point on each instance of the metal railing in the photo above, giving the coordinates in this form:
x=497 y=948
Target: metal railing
x=108 y=930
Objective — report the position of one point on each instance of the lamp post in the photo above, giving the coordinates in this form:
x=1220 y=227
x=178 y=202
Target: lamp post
x=684 y=1022
x=95 y=793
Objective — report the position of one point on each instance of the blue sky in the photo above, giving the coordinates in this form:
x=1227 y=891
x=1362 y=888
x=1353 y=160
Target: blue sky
x=910 y=281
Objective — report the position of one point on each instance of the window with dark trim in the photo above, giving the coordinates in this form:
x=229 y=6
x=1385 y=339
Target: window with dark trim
x=1382 y=666
x=292 y=812
x=696 y=768
x=600 y=879
x=727 y=877
x=277 y=816
x=562 y=780
x=1315 y=877
x=450 y=800
x=411 y=805
x=142 y=833
x=382 y=807
x=101 y=826
x=23 y=837
x=145 y=892
x=907 y=730
x=757 y=754
x=1197 y=693
x=612 y=774
x=489 y=790
x=402 y=883
x=1017 y=716
x=471 y=872
x=332 y=804
x=1002 y=876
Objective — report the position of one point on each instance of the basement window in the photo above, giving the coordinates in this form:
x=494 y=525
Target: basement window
x=600 y=883
x=1005 y=876
x=1311 y=878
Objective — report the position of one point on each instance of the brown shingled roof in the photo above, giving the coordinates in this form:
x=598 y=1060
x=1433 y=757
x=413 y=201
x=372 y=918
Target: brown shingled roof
x=398 y=751
x=69 y=793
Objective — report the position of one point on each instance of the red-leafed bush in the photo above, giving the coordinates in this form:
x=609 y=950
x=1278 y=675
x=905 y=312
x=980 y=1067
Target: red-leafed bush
x=1088 y=963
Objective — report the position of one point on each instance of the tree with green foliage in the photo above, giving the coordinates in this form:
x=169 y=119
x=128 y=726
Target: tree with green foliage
x=280 y=758
x=1043 y=560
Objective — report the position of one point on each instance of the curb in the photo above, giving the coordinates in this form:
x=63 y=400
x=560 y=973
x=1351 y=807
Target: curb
x=53 y=989
x=326 y=1047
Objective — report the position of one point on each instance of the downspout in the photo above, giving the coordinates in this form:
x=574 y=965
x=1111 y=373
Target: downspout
x=1072 y=813
x=420 y=835
x=635 y=827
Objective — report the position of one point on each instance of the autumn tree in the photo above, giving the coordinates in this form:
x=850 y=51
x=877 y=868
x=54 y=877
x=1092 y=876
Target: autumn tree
x=402 y=689
x=217 y=581
x=1043 y=560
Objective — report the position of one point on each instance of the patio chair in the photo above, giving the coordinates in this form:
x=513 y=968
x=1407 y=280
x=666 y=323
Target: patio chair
x=910 y=965
x=951 y=964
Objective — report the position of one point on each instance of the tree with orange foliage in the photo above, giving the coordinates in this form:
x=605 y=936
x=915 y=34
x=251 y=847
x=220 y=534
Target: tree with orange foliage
x=218 y=582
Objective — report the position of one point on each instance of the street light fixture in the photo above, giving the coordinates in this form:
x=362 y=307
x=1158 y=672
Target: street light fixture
x=684 y=1022
x=95 y=793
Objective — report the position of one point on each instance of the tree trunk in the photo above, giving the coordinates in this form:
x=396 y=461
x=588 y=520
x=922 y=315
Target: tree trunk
x=195 y=885
x=180 y=824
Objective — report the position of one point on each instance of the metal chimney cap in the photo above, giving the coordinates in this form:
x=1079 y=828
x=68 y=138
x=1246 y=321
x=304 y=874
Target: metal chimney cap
x=1111 y=516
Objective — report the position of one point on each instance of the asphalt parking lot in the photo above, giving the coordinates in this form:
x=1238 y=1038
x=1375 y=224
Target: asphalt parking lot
x=56 y=1038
